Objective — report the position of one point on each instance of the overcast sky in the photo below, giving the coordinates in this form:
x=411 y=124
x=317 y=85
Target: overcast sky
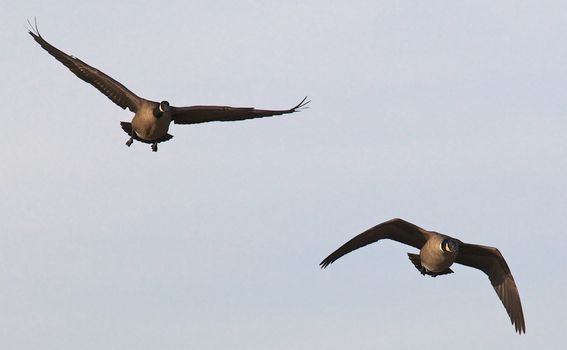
x=451 y=115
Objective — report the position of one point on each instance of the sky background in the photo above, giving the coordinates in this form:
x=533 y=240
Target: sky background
x=451 y=115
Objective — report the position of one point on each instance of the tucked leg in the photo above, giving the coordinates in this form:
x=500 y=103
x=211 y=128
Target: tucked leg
x=154 y=147
x=127 y=127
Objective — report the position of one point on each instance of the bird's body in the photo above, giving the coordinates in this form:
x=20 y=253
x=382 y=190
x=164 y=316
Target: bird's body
x=433 y=258
x=437 y=253
x=151 y=120
x=147 y=126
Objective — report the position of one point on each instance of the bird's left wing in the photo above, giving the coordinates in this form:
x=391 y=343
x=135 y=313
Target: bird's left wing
x=115 y=91
x=395 y=229
x=202 y=114
x=492 y=263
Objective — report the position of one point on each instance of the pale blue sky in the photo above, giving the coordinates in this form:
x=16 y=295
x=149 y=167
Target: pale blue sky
x=452 y=115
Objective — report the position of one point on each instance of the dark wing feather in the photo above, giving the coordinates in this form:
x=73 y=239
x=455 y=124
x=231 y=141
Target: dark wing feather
x=492 y=263
x=202 y=114
x=395 y=229
x=115 y=91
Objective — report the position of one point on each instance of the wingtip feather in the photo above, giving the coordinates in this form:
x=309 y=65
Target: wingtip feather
x=323 y=264
x=301 y=105
x=33 y=29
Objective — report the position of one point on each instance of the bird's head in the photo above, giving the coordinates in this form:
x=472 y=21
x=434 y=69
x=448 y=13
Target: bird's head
x=164 y=106
x=449 y=245
x=160 y=109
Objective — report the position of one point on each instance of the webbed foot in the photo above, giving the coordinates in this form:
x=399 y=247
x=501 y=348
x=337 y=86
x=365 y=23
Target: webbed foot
x=154 y=147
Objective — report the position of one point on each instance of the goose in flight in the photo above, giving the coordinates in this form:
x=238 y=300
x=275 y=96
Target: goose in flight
x=437 y=253
x=151 y=120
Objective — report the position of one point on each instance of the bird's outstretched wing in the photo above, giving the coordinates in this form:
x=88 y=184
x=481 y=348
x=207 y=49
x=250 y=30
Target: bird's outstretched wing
x=492 y=263
x=115 y=91
x=395 y=229
x=202 y=114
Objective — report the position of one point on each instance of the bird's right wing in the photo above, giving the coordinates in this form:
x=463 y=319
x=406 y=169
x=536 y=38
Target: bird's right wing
x=115 y=91
x=491 y=262
x=395 y=229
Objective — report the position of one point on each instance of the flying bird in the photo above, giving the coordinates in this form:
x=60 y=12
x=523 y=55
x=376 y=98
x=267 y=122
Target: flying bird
x=437 y=253
x=151 y=120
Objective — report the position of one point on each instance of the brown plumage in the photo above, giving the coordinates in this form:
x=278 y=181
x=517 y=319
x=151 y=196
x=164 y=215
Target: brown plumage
x=437 y=253
x=151 y=121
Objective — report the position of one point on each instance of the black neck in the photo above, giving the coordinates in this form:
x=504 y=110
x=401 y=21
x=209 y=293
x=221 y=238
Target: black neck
x=157 y=112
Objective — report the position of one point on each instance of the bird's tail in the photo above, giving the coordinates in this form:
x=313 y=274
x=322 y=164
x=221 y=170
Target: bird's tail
x=127 y=127
x=416 y=260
